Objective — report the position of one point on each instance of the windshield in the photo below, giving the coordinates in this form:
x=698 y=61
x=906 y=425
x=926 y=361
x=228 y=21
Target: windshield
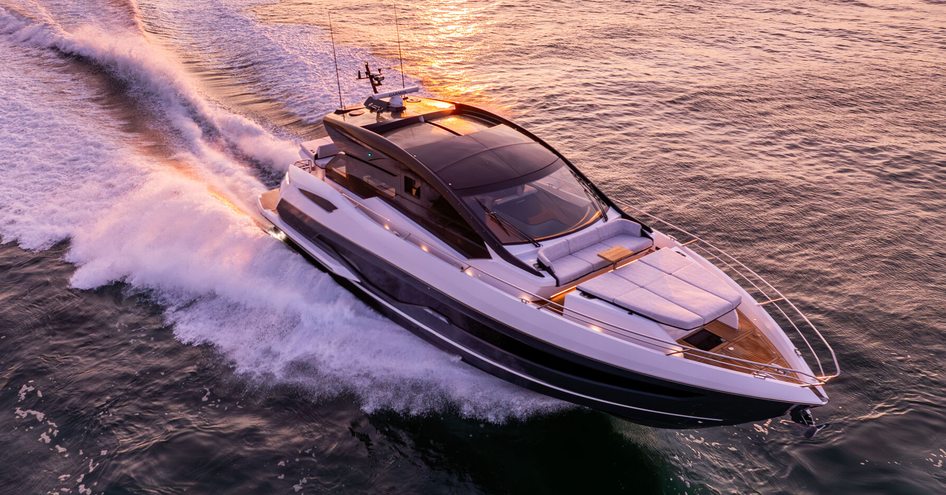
x=550 y=206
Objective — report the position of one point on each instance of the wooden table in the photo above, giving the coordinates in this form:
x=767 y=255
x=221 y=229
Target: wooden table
x=615 y=253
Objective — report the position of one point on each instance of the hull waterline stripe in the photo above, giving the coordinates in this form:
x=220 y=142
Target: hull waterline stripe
x=527 y=377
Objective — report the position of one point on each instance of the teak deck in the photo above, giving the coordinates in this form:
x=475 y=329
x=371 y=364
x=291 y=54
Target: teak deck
x=615 y=254
x=749 y=343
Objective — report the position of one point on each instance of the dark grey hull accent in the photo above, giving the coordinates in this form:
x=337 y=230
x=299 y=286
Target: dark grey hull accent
x=509 y=354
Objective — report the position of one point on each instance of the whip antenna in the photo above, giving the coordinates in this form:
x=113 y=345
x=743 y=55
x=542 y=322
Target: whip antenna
x=400 y=57
x=338 y=81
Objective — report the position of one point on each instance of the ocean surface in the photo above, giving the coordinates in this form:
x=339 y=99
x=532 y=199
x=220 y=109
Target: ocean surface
x=154 y=340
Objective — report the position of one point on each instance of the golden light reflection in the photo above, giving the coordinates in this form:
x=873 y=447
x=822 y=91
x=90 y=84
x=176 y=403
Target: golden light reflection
x=440 y=104
x=452 y=19
x=189 y=172
x=442 y=41
x=446 y=42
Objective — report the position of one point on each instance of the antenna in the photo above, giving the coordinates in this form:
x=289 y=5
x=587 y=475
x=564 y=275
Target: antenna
x=375 y=78
x=338 y=81
x=400 y=57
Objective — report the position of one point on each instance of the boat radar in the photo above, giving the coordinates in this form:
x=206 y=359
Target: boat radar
x=376 y=78
x=396 y=101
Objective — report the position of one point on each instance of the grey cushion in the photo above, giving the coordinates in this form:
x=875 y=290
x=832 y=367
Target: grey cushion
x=583 y=239
x=586 y=244
x=551 y=252
x=639 y=273
x=704 y=279
x=691 y=297
x=666 y=260
x=607 y=286
x=571 y=267
x=666 y=287
x=645 y=302
x=633 y=243
x=590 y=254
x=618 y=227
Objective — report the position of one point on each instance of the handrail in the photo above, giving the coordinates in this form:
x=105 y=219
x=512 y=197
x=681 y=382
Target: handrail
x=671 y=348
x=722 y=256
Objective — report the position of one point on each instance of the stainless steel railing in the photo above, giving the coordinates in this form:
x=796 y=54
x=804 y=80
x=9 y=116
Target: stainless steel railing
x=772 y=296
x=670 y=348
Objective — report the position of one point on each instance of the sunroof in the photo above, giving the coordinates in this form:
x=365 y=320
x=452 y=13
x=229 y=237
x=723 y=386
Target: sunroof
x=418 y=134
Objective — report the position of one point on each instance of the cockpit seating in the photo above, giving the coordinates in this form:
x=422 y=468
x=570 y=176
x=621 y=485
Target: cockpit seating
x=577 y=255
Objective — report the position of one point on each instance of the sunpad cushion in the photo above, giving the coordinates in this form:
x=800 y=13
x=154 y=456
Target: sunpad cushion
x=645 y=302
x=702 y=278
x=607 y=287
x=666 y=287
x=639 y=273
x=666 y=260
x=690 y=297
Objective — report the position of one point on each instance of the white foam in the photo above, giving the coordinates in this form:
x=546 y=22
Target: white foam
x=181 y=231
x=55 y=177
x=226 y=283
x=157 y=78
x=24 y=390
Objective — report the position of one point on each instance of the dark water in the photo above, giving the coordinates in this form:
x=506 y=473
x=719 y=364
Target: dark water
x=153 y=340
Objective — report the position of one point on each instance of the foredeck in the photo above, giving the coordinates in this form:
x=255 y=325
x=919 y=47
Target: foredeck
x=747 y=343
x=750 y=349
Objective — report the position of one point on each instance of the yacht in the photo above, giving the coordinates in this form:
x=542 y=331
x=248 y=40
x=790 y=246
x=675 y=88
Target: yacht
x=482 y=239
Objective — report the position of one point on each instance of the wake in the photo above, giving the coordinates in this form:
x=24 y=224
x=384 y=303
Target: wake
x=187 y=235
x=156 y=79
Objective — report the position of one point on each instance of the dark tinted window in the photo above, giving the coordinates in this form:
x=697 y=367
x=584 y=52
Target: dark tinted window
x=549 y=206
x=412 y=186
x=363 y=178
x=416 y=199
x=435 y=214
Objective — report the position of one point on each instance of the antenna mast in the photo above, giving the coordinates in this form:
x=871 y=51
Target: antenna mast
x=400 y=57
x=338 y=81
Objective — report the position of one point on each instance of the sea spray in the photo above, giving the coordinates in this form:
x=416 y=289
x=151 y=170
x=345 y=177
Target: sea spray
x=180 y=230
x=152 y=74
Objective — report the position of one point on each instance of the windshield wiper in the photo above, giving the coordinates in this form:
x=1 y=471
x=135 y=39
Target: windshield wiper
x=504 y=222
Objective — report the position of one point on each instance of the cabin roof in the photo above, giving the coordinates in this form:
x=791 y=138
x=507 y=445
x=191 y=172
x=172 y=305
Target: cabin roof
x=466 y=151
x=488 y=159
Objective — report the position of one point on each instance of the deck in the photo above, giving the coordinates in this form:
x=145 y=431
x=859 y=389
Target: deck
x=747 y=342
x=559 y=297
